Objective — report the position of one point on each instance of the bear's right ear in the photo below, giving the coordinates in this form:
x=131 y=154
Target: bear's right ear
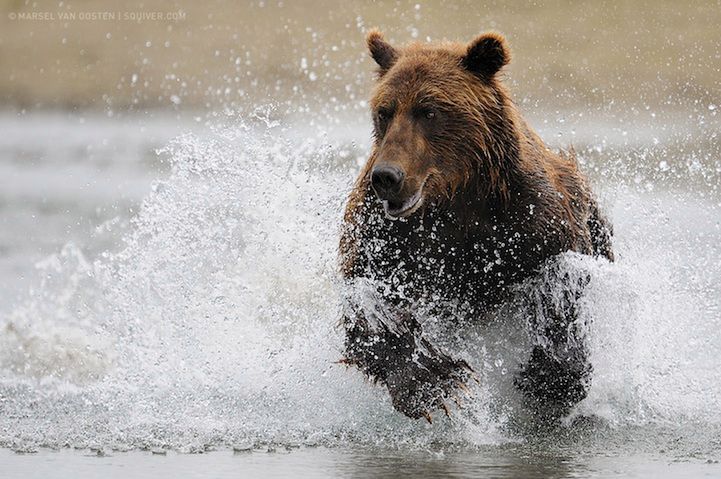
x=381 y=51
x=487 y=54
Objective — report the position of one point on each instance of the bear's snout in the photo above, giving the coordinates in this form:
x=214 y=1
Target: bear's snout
x=399 y=195
x=387 y=181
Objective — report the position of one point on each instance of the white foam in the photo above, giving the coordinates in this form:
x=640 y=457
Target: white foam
x=216 y=322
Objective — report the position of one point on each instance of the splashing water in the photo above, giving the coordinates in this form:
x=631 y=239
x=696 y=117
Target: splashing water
x=216 y=322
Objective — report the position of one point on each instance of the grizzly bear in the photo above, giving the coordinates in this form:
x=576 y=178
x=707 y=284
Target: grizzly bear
x=460 y=201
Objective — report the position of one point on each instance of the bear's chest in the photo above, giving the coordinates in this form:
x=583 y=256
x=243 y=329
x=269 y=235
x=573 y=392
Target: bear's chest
x=430 y=260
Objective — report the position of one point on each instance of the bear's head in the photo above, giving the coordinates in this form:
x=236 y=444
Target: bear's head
x=441 y=122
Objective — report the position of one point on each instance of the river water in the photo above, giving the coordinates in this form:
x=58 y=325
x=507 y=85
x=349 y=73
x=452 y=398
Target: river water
x=169 y=295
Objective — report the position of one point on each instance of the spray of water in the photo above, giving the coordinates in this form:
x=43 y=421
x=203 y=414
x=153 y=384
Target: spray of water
x=215 y=322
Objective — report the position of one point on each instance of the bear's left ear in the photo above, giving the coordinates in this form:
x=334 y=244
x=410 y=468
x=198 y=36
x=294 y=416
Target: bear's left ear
x=487 y=54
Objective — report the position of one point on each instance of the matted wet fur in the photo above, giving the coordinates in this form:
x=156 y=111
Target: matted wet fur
x=459 y=200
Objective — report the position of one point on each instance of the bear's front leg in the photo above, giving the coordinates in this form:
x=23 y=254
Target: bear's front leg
x=558 y=373
x=553 y=383
x=391 y=350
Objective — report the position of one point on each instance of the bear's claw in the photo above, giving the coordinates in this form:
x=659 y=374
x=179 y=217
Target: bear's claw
x=425 y=385
x=446 y=410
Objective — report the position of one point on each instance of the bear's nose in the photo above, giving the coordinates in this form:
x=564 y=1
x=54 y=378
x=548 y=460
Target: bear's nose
x=387 y=180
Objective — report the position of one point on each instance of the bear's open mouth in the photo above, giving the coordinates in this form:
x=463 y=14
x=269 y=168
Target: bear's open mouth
x=396 y=210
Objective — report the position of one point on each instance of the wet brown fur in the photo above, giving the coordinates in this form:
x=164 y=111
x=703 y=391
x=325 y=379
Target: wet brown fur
x=500 y=202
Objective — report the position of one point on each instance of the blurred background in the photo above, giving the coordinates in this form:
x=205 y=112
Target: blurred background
x=89 y=90
x=213 y=54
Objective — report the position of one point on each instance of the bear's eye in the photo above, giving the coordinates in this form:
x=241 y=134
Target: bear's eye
x=384 y=114
x=425 y=113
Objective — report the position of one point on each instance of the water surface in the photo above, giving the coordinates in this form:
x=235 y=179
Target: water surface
x=186 y=302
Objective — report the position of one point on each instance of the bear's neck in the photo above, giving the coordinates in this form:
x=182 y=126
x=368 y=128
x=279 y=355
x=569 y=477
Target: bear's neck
x=499 y=153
